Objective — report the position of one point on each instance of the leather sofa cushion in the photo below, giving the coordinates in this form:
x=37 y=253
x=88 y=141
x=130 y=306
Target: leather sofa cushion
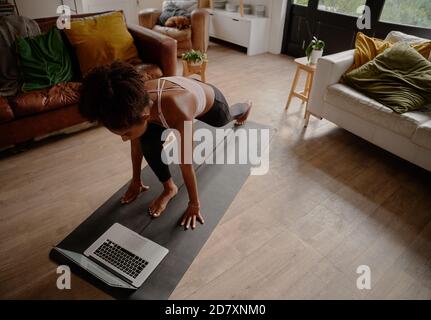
x=149 y=71
x=422 y=136
x=60 y=95
x=6 y=113
x=177 y=34
x=183 y=37
x=360 y=105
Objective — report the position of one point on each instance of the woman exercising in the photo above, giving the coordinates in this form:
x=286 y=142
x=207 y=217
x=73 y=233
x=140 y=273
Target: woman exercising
x=116 y=96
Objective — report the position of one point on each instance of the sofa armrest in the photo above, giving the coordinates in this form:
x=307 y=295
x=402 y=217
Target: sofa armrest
x=329 y=71
x=156 y=48
x=200 y=29
x=149 y=17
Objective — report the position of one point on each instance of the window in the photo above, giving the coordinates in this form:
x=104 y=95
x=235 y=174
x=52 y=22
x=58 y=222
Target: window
x=411 y=12
x=348 y=7
x=301 y=2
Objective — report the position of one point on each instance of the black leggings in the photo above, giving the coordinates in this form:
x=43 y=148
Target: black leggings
x=152 y=144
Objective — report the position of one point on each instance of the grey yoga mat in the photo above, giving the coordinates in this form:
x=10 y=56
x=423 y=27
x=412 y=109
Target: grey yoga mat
x=218 y=185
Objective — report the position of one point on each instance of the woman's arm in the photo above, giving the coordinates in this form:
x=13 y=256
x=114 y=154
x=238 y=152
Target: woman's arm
x=189 y=177
x=181 y=117
x=186 y=165
x=188 y=172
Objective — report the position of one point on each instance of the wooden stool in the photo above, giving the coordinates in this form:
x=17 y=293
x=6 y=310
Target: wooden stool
x=189 y=69
x=302 y=65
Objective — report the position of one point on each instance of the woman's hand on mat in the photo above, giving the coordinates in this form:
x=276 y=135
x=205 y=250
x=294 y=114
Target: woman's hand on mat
x=192 y=214
x=135 y=188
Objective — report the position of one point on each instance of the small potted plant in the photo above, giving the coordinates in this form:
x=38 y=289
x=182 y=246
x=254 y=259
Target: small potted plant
x=194 y=57
x=314 y=50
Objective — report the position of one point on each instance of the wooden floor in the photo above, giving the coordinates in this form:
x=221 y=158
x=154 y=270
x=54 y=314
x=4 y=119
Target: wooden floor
x=330 y=203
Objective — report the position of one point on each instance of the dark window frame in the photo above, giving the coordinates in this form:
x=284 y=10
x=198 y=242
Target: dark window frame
x=302 y=22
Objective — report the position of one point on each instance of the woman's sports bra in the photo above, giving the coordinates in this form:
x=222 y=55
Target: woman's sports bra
x=185 y=83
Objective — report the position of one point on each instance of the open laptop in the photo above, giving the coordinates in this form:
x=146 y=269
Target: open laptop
x=120 y=257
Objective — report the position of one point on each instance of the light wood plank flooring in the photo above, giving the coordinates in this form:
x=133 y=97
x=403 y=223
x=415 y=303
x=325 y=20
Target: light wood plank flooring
x=330 y=203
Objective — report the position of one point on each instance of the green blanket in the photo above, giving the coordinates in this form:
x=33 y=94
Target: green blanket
x=10 y=28
x=43 y=60
x=399 y=78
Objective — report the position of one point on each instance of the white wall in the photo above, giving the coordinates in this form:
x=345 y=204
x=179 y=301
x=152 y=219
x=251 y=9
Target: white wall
x=144 y=4
x=278 y=18
x=47 y=8
x=71 y=4
x=38 y=9
x=129 y=7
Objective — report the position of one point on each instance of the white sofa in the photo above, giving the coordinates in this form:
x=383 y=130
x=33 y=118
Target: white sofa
x=407 y=135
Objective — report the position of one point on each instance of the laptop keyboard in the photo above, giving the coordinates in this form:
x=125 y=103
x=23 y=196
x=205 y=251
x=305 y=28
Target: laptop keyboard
x=121 y=258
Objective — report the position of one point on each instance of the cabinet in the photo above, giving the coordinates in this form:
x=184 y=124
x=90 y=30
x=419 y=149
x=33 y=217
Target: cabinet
x=247 y=31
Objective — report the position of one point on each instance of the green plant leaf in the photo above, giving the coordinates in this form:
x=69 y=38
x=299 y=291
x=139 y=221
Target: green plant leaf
x=315 y=44
x=308 y=51
x=194 y=56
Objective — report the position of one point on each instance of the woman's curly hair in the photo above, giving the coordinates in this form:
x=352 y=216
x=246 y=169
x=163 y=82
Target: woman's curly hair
x=113 y=95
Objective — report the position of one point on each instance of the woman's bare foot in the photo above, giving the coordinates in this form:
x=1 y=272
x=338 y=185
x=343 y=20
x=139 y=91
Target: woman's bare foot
x=159 y=204
x=243 y=118
x=135 y=188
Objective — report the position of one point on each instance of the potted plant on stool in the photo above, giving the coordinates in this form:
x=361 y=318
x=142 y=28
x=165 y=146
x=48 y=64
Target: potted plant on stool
x=194 y=58
x=194 y=62
x=314 y=50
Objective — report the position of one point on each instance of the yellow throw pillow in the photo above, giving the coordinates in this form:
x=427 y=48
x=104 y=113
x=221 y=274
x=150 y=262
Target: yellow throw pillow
x=424 y=48
x=366 y=49
x=102 y=39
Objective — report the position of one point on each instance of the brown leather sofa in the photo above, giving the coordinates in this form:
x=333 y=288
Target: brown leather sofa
x=196 y=37
x=43 y=112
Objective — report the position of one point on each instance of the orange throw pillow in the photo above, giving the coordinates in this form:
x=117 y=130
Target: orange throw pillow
x=102 y=39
